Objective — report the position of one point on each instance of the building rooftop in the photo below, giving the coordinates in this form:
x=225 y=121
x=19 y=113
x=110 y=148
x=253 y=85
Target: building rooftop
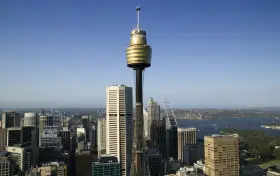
x=187 y=129
x=223 y=136
x=14 y=128
x=10 y=111
x=119 y=85
x=84 y=117
x=107 y=159
x=52 y=163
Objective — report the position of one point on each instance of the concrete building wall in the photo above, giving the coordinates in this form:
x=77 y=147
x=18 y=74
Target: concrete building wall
x=221 y=155
x=119 y=124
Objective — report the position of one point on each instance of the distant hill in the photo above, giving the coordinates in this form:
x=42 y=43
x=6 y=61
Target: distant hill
x=267 y=109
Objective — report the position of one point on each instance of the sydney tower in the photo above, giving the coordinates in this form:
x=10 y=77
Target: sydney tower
x=138 y=56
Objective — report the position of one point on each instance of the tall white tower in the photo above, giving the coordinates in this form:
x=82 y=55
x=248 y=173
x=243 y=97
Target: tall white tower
x=119 y=125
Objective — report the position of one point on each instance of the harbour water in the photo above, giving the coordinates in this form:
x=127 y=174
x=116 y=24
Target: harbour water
x=213 y=126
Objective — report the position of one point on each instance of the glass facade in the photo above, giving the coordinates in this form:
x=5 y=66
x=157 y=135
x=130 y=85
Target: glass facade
x=105 y=169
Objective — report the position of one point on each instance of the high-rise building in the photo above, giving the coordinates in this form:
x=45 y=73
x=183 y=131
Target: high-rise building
x=93 y=135
x=71 y=163
x=10 y=119
x=30 y=119
x=81 y=132
x=190 y=154
x=6 y=164
x=155 y=161
x=200 y=148
x=153 y=114
x=138 y=57
x=221 y=155
x=49 y=137
x=13 y=136
x=65 y=139
x=106 y=165
x=3 y=139
x=146 y=123
x=48 y=133
x=22 y=136
x=171 y=128
x=186 y=136
x=46 y=120
x=153 y=110
x=85 y=122
x=22 y=156
x=158 y=136
x=119 y=111
x=101 y=136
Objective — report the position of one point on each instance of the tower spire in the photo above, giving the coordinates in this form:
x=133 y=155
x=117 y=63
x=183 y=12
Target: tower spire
x=138 y=16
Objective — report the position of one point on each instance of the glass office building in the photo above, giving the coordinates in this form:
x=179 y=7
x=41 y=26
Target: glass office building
x=106 y=165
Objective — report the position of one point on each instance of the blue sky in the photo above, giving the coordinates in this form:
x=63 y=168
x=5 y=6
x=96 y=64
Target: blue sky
x=205 y=53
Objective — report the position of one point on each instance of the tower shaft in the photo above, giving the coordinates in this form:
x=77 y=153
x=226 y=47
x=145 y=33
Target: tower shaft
x=138 y=131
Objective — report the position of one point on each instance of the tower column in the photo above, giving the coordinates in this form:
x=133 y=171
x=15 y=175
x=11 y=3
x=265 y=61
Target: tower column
x=138 y=131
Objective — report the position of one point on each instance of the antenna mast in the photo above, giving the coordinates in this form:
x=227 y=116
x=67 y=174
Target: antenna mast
x=138 y=16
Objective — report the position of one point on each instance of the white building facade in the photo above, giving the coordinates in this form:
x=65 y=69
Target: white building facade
x=30 y=119
x=119 y=124
x=22 y=156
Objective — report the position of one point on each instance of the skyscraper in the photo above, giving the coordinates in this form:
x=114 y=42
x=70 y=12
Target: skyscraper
x=31 y=119
x=101 y=136
x=10 y=119
x=146 y=123
x=186 y=136
x=221 y=155
x=153 y=110
x=65 y=138
x=93 y=135
x=171 y=129
x=138 y=56
x=153 y=114
x=158 y=135
x=119 y=118
x=71 y=163
x=85 y=122
x=3 y=139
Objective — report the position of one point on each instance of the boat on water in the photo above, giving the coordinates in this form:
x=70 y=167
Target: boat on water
x=274 y=127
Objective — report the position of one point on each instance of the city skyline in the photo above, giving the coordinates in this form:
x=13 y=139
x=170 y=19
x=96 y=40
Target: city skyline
x=213 y=54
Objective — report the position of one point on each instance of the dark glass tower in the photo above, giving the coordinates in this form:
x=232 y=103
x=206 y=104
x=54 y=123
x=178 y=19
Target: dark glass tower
x=158 y=136
x=71 y=166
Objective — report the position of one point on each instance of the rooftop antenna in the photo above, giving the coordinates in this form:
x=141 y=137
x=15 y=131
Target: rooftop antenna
x=138 y=16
